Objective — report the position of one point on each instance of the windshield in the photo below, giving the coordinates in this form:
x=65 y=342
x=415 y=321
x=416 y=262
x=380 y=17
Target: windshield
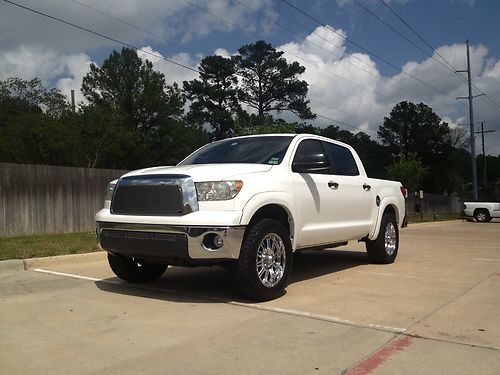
x=256 y=150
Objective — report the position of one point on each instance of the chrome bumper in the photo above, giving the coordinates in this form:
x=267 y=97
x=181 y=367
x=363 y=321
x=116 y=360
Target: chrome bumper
x=183 y=242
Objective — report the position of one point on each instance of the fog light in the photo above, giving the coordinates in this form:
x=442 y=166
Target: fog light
x=213 y=242
x=218 y=241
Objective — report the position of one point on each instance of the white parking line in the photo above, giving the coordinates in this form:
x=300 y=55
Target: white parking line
x=486 y=259
x=392 y=275
x=66 y=274
x=280 y=310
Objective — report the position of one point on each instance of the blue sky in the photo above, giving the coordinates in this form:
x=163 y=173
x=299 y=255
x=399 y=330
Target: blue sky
x=347 y=83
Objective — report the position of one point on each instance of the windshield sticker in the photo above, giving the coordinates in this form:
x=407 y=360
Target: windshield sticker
x=274 y=161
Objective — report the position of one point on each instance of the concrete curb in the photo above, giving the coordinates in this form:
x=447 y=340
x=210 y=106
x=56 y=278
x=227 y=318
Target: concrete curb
x=11 y=265
x=27 y=264
x=64 y=259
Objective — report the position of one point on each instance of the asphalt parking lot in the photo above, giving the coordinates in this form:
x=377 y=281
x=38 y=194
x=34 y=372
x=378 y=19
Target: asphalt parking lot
x=436 y=310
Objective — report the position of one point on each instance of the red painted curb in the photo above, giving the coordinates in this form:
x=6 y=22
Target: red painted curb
x=376 y=359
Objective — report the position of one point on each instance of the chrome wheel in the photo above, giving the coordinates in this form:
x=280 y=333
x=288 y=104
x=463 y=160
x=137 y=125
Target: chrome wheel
x=390 y=238
x=481 y=216
x=271 y=260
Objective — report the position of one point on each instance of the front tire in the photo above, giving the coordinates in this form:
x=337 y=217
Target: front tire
x=265 y=261
x=384 y=249
x=130 y=270
x=482 y=216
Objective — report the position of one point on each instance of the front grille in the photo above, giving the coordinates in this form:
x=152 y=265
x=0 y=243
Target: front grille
x=153 y=195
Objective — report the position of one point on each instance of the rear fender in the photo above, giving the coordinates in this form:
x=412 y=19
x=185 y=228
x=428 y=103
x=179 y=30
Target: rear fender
x=384 y=204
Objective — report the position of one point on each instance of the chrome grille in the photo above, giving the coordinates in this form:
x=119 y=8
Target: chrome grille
x=154 y=195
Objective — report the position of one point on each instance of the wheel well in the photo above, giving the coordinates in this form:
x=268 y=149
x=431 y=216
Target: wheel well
x=273 y=211
x=390 y=210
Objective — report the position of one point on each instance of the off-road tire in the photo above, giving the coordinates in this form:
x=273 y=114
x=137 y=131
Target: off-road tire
x=384 y=249
x=135 y=272
x=246 y=276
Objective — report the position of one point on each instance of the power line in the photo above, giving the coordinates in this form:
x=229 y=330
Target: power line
x=363 y=48
x=99 y=35
x=416 y=33
x=405 y=88
x=133 y=47
x=402 y=36
x=139 y=28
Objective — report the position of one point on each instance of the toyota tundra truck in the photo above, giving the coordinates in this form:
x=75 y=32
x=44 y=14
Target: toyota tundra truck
x=247 y=204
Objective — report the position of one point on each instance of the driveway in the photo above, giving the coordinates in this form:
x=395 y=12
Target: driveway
x=434 y=311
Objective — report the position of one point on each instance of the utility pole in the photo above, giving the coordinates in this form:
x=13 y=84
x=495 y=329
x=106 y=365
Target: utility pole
x=471 y=117
x=485 y=176
x=73 y=101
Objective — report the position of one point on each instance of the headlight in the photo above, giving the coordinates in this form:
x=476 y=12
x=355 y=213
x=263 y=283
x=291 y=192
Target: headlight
x=218 y=190
x=109 y=194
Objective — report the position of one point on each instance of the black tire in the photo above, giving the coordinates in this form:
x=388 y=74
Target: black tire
x=482 y=216
x=265 y=258
x=135 y=272
x=384 y=249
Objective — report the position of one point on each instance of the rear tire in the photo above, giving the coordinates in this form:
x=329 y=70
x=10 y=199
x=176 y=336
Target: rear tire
x=384 y=249
x=264 y=266
x=130 y=270
x=482 y=216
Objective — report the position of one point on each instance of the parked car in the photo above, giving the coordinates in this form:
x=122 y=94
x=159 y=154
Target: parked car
x=247 y=204
x=483 y=212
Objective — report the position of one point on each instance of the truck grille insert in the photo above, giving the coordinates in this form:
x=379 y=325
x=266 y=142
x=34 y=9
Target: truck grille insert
x=154 y=195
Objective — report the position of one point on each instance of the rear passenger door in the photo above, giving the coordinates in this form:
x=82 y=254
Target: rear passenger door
x=353 y=201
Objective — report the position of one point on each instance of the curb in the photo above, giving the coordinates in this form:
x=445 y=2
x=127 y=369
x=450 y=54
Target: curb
x=11 y=265
x=27 y=264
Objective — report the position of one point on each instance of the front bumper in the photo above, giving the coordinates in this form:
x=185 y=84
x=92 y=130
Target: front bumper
x=169 y=244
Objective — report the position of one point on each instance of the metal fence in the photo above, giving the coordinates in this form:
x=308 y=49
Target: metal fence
x=37 y=199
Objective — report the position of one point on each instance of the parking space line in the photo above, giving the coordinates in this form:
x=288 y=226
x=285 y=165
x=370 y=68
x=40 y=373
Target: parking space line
x=66 y=274
x=486 y=259
x=392 y=275
x=303 y=314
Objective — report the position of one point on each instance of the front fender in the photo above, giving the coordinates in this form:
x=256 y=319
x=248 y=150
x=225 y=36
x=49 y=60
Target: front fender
x=282 y=199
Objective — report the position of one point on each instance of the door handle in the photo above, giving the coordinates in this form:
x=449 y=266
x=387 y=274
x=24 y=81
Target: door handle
x=366 y=187
x=333 y=185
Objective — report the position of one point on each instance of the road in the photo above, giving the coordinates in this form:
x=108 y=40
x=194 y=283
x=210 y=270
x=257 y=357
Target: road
x=436 y=310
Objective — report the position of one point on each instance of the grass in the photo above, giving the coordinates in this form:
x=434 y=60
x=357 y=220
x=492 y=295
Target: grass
x=416 y=218
x=46 y=245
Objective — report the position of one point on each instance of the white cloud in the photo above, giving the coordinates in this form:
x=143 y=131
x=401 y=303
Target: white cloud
x=351 y=89
x=173 y=73
x=64 y=71
x=133 y=21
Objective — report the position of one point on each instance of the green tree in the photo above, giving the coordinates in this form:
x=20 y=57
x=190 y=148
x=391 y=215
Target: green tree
x=34 y=124
x=214 y=97
x=139 y=102
x=415 y=128
x=409 y=170
x=269 y=83
x=18 y=96
x=130 y=85
x=248 y=124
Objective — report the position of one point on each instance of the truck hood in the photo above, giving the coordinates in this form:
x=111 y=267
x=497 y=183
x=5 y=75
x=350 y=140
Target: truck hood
x=206 y=172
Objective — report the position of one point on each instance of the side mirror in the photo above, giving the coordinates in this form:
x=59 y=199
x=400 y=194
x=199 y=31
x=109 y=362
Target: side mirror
x=311 y=163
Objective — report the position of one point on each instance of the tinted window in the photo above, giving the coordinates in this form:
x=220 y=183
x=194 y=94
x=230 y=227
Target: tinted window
x=310 y=151
x=256 y=150
x=341 y=159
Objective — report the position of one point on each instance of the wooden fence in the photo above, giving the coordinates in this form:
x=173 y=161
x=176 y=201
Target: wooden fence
x=36 y=199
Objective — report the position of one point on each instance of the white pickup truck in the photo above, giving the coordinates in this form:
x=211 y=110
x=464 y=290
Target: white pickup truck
x=247 y=204
x=483 y=212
